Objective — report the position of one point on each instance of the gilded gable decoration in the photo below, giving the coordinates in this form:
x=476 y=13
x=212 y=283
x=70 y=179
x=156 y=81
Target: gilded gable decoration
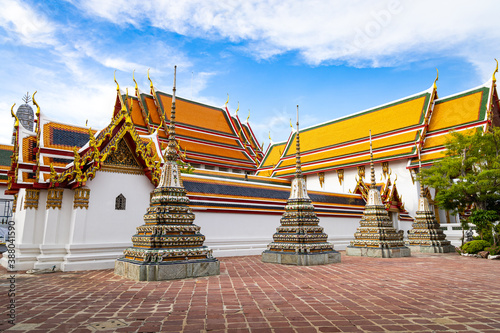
x=31 y=198
x=321 y=177
x=81 y=198
x=54 y=198
x=361 y=171
x=14 y=203
x=122 y=160
x=340 y=174
x=385 y=168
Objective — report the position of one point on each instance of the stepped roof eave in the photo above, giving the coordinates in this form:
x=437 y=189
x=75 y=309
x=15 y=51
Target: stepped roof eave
x=402 y=135
x=434 y=145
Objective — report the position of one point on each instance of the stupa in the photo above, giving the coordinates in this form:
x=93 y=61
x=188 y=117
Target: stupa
x=376 y=236
x=426 y=236
x=168 y=246
x=299 y=239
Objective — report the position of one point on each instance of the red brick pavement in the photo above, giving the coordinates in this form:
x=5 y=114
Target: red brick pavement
x=422 y=293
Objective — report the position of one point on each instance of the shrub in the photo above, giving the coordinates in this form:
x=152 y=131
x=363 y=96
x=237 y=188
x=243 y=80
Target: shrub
x=475 y=246
x=493 y=250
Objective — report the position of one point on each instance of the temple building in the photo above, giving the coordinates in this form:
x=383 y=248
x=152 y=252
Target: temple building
x=78 y=193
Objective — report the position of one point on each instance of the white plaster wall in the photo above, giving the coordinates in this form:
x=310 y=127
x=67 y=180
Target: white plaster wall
x=408 y=191
x=104 y=223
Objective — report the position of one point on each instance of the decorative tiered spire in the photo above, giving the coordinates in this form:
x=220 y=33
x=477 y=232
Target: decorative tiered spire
x=426 y=235
x=299 y=239
x=376 y=236
x=168 y=246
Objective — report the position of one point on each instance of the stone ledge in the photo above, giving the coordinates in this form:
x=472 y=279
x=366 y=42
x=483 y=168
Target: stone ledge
x=301 y=259
x=432 y=248
x=377 y=252
x=170 y=271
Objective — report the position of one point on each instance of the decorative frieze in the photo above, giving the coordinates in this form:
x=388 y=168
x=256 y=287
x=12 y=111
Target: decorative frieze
x=31 y=198
x=321 y=177
x=81 y=198
x=54 y=198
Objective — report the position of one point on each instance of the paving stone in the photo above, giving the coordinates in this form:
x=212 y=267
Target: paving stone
x=421 y=293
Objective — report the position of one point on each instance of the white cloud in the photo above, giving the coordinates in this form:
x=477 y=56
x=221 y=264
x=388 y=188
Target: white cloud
x=359 y=33
x=23 y=24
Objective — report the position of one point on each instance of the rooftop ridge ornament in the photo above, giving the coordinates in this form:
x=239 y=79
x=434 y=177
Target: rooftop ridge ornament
x=493 y=78
x=117 y=85
x=435 y=80
x=26 y=98
x=299 y=240
x=136 y=86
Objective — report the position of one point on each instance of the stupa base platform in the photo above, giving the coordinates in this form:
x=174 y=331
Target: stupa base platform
x=167 y=271
x=301 y=259
x=432 y=248
x=378 y=252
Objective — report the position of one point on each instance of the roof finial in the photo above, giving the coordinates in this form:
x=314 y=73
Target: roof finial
x=117 y=85
x=172 y=142
x=298 y=167
x=227 y=101
x=437 y=78
x=238 y=108
x=16 y=124
x=372 y=168
x=496 y=70
x=248 y=115
x=37 y=106
x=150 y=82
x=27 y=98
x=133 y=78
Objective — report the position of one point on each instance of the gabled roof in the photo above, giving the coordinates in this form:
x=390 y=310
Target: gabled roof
x=466 y=111
x=396 y=127
x=206 y=134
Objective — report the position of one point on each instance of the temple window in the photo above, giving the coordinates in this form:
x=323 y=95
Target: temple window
x=120 y=202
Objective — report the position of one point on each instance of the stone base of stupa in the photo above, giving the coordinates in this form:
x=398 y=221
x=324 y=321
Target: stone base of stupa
x=301 y=259
x=167 y=271
x=378 y=252
x=432 y=248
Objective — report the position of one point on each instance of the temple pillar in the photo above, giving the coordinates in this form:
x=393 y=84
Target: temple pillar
x=75 y=257
x=52 y=249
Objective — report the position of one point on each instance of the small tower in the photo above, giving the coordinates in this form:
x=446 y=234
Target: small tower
x=25 y=114
x=376 y=236
x=426 y=236
x=299 y=239
x=168 y=246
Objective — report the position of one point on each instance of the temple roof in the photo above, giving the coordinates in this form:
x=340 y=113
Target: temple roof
x=344 y=142
x=206 y=134
x=471 y=110
x=5 y=154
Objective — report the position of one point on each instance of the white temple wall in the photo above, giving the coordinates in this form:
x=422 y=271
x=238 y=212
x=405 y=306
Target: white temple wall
x=105 y=224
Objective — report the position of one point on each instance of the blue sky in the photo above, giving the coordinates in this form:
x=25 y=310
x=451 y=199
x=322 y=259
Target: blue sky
x=333 y=58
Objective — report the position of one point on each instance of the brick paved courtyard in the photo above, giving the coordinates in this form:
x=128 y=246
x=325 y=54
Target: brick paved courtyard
x=422 y=293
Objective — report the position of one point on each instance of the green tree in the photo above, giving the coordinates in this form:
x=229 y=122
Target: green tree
x=469 y=175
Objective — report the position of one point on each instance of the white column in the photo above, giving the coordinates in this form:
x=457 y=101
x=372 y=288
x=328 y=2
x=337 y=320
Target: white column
x=52 y=249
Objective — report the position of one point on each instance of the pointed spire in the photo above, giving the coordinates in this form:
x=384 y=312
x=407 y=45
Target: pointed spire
x=298 y=167
x=372 y=168
x=27 y=98
x=172 y=143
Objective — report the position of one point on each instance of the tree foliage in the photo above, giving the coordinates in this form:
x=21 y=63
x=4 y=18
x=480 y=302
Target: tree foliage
x=469 y=175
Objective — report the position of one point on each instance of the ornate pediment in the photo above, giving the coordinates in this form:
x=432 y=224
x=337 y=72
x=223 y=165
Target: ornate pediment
x=122 y=160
